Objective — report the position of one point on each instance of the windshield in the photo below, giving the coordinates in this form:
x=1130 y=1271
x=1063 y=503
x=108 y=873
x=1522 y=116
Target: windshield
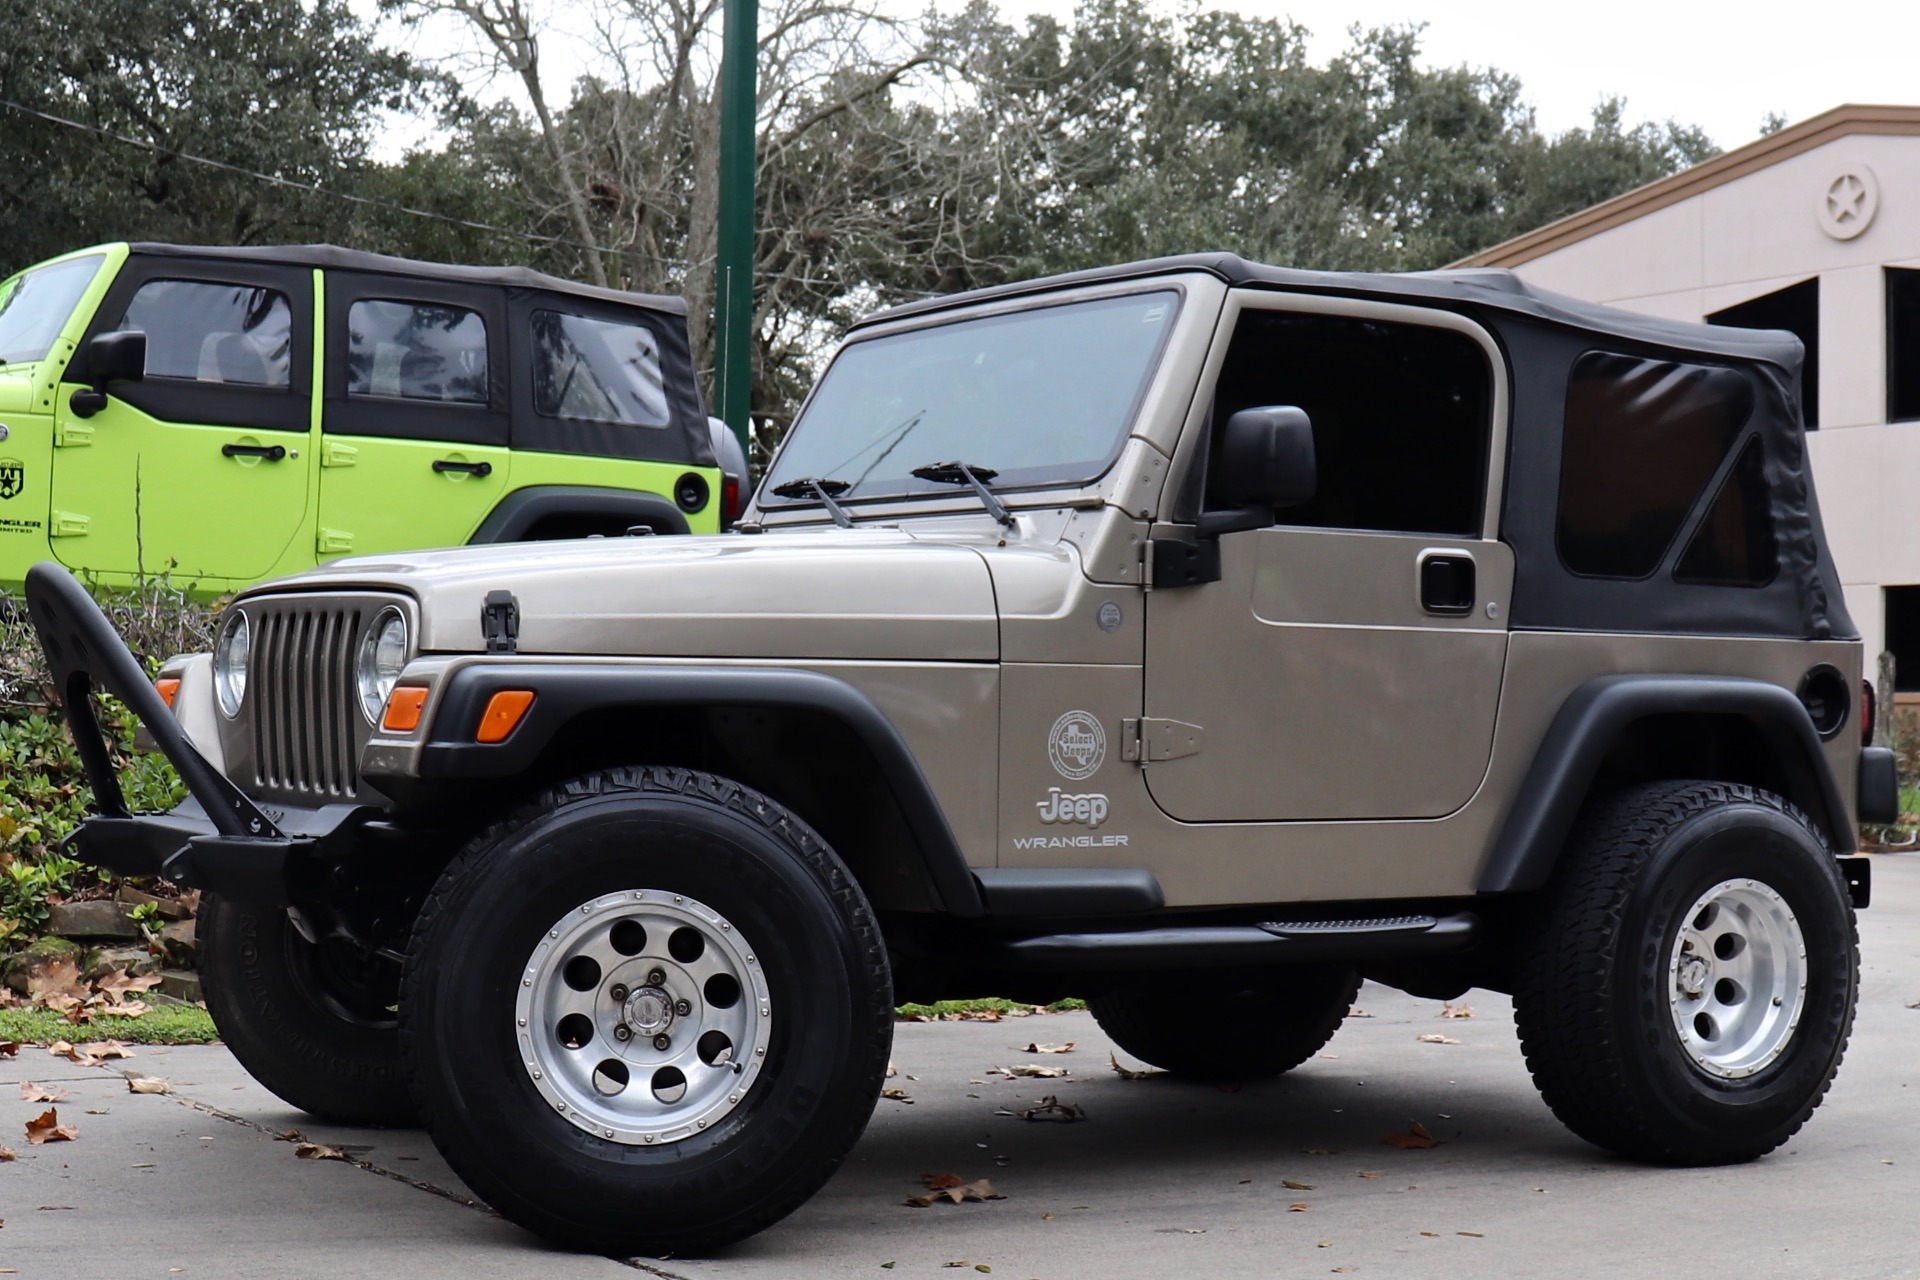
x=34 y=306
x=1041 y=397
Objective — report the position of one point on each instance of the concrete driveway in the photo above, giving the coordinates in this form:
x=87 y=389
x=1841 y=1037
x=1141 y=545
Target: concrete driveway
x=1161 y=1179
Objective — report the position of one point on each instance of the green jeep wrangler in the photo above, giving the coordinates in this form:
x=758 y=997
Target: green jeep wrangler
x=1194 y=636
x=229 y=415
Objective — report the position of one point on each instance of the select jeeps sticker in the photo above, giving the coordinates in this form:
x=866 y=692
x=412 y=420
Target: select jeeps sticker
x=1077 y=745
x=13 y=477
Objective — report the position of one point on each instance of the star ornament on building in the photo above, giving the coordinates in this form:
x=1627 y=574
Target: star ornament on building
x=1847 y=203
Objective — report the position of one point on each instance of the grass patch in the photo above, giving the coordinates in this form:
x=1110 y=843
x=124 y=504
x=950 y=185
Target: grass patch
x=988 y=1005
x=162 y=1024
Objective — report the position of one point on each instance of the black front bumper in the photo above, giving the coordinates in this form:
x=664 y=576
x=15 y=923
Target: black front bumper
x=219 y=839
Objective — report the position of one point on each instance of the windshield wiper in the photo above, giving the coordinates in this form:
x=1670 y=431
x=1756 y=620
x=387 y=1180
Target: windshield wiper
x=961 y=473
x=825 y=490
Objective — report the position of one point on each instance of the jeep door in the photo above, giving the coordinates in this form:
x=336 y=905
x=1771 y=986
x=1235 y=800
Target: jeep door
x=201 y=468
x=1347 y=663
x=413 y=412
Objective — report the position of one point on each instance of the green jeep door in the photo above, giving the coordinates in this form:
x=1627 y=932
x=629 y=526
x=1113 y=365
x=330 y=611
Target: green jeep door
x=202 y=468
x=414 y=413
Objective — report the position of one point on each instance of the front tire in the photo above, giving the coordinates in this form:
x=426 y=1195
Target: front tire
x=313 y=1022
x=1688 y=989
x=1209 y=1026
x=650 y=1013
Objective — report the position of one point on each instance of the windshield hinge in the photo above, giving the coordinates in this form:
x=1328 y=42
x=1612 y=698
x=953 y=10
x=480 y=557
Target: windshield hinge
x=500 y=622
x=1150 y=738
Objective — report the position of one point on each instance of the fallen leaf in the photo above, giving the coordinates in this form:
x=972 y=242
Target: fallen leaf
x=1369 y=1175
x=1291 y=1185
x=56 y=978
x=1051 y=1108
x=1434 y=1234
x=1323 y=1244
x=31 y=1092
x=8 y=1048
x=892 y=1071
x=941 y=1181
x=104 y=1049
x=318 y=1151
x=1319 y=1151
x=115 y=986
x=1456 y=1010
x=897 y=1095
x=1415 y=1139
x=1343 y=1271
x=1050 y=1048
x=6 y=1154
x=99 y=1111
x=886 y=1266
x=1128 y=1073
x=961 y=1263
x=1035 y=1070
x=1913 y=1004
x=47 y=1128
x=147 y=1084
x=1179 y=1231
x=1477 y=1235
x=1357 y=1012
x=981 y=1266
x=1297 y=1207
x=1433 y=1038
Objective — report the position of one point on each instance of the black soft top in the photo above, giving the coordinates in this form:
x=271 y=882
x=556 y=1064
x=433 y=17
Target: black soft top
x=1544 y=335
x=333 y=258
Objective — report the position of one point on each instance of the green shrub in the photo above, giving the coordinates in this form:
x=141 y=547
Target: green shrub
x=43 y=788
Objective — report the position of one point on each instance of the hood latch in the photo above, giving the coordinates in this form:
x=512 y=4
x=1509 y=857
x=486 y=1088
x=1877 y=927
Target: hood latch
x=500 y=622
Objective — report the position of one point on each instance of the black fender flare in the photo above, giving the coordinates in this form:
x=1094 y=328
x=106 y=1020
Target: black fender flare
x=1592 y=719
x=520 y=510
x=566 y=690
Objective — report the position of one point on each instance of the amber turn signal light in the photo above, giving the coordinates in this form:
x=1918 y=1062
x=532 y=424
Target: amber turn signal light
x=404 y=706
x=503 y=714
x=168 y=687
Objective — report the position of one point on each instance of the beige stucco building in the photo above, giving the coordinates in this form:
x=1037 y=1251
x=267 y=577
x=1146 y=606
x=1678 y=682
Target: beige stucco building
x=1814 y=229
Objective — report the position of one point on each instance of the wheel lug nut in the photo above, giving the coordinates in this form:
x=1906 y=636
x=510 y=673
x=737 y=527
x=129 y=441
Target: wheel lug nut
x=663 y=1041
x=623 y=1032
x=618 y=992
x=656 y=977
x=681 y=1008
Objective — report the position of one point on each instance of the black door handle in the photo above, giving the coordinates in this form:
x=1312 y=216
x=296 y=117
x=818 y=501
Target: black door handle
x=271 y=452
x=1447 y=583
x=471 y=468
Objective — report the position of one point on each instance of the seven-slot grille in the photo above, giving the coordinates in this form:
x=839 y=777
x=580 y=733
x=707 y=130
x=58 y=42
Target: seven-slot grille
x=306 y=715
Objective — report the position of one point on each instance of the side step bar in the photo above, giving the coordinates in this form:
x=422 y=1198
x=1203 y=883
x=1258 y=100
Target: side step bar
x=1214 y=946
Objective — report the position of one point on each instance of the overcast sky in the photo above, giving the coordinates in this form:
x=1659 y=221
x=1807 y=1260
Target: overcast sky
x=1722 y=66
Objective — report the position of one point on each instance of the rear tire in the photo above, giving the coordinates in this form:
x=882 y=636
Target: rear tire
x=650 y=1013
x=1688 y=988
x=1222 y=1027
x=314 y=1023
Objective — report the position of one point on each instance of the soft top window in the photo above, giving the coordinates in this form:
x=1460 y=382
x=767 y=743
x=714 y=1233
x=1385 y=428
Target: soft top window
x=231 y=334
x=1643 y=439
x=416 y=351
x=597 y=371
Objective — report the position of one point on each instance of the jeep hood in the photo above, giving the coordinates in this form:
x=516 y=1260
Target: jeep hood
x=858 y=594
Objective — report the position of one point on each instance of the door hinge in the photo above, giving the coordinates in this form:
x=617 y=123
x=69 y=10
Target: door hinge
x=68 y=524
x=334 y=454
x=1149 y=739
x=500 y=622
x=333 y=542
x=71 y=435
x=1176 y=562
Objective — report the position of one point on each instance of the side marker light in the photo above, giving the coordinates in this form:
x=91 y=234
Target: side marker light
x=404 y=706
x=504 y=712
x=168 y=687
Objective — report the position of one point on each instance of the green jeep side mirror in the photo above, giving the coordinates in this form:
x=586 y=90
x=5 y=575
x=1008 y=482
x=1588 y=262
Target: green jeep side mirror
x=111 y=357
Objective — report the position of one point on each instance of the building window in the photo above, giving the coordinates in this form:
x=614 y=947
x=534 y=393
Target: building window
x=1796 y=309
x=1903 y=636
x=1903 y=345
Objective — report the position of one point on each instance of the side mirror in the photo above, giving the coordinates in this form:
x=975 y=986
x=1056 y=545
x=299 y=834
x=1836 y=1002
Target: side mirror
x=111 y=357
x=1265 y=462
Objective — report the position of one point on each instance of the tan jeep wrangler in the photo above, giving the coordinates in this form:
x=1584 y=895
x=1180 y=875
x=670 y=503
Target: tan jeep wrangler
x=1194 y=636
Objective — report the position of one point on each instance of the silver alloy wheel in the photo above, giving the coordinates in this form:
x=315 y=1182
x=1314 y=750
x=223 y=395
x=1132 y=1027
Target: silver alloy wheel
x=1737 y=979
x=643 y=1017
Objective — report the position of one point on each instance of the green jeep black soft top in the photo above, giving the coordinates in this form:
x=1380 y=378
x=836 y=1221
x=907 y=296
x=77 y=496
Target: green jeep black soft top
x=284 y=405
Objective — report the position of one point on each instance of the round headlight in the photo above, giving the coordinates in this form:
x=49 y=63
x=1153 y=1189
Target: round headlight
x=383 y=652
x=230 y=663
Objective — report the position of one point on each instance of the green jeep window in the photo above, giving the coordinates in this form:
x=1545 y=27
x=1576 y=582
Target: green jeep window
x=597 y=370
x=416 y=351
x=38 y=304
x=219 y=333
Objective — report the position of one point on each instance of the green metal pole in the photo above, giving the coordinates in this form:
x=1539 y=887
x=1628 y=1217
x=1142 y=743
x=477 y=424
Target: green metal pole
x=733 y=283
